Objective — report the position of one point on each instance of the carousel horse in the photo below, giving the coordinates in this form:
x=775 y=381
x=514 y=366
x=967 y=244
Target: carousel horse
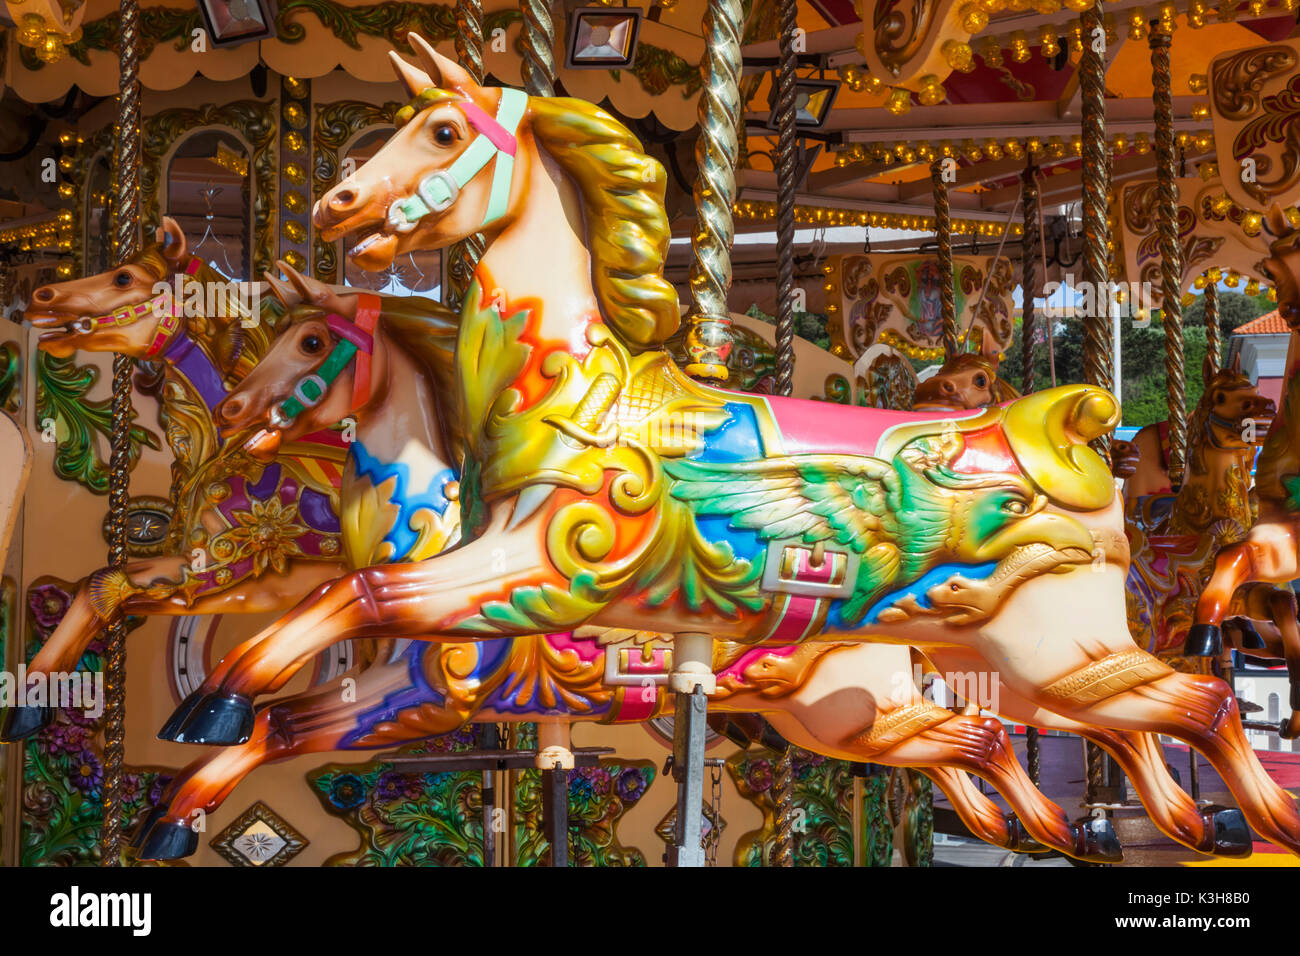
x=399 y=483
x=249 y=519
x=966 y=380
x=320 y=721
x=602 y=487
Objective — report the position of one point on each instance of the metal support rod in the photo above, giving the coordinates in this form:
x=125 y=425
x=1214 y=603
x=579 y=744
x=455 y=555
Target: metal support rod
x=465 y=254
x=688 y=770
x=126 y=162
x=1171 y=250
x=1212 y=331
x=491 y=741
x=943 y=239
x=539 y=48
x=1033 y=754
x=1096 y=189
x=1029 y=284
x=555 y=813
x=786 y=185
x=708 y=336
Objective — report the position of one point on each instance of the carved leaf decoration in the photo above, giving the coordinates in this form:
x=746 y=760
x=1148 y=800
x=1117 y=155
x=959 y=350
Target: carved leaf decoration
x=61 y=387
x=368 y=516
x=489 y=356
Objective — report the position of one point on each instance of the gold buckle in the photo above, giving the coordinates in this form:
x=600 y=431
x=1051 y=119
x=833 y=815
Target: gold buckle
x=123 y=315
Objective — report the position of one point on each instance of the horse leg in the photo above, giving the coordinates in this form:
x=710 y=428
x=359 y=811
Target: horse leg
x=1282 y=604
x=425 y=600
x=1233 y=567
x=1194 y=708
x=144 y=588
x=860 y=703
x=304 y=724
x=980 y=815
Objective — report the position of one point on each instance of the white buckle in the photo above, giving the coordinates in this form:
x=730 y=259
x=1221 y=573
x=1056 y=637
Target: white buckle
x=302 y=398
x=277 y=417
x=453 y=190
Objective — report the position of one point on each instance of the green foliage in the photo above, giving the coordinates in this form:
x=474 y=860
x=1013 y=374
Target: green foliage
x=809 y=326
x=1142 y=355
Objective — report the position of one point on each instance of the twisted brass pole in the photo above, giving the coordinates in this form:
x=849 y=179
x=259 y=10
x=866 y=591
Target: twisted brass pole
x=1097 y=336
x=708 y=337
x=943 y=237
x=539 y=48
x=126 y=160
x=1171 y=252
x=1029 y=277
x=786 y=170
x=465 y=254
x=1212 y=331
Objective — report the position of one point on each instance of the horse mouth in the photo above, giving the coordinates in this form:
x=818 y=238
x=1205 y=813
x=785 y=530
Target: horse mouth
x=375 y=250
x=54 y=326
x=264 y=444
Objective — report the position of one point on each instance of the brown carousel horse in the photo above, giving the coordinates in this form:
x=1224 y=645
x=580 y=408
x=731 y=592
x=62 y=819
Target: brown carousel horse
x=966 y=380
x=265 y=533
x=602 y=487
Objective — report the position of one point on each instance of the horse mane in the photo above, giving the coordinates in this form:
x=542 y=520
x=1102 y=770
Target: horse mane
x=627 y=229
x=426 y=330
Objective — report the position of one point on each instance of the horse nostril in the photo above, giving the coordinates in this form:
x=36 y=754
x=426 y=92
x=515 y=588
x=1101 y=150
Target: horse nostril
x=343 y=199
x=229 y=410
x=948 y=387
x=43 y=294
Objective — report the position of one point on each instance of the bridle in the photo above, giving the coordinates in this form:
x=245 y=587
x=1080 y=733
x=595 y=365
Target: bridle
x=496 y=139
x=168 y=321
x=356 y=340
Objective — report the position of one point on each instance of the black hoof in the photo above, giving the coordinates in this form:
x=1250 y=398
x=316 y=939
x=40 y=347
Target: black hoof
x=22 y=722
x=1095 y=841
x=146 y=825
x=1203 y=640
x=181 y=714
x=1226 y=832
x=168 y=841
x=219 y=719
x=1019 y=840
x=1250 y=639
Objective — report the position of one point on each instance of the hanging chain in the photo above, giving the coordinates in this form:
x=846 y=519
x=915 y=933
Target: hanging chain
x=126 y=155
x=943 y=238
x=465 y=254
x=1171 y=252
x=714 y=836
x=1029 y=276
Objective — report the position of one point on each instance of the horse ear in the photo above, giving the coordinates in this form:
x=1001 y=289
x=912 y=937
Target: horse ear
x=446 y=73
x=287 y=296
x=175 y=245
x=989 y=348
x=1278 y=224
x=1236 y=363
x=1207 y=370
x=414 y=79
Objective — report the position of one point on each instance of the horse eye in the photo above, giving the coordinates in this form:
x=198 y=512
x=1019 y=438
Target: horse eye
x=980 y=381
x=444 y=135
x=122 y=280
x=312 y=344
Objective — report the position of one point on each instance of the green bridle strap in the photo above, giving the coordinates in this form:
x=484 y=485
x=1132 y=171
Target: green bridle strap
x=319 y=382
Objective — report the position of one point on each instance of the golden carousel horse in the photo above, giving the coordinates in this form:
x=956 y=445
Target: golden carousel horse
x=601 y=487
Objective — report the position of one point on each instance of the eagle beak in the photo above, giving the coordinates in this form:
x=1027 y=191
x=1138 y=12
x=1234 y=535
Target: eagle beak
x=1059 y=531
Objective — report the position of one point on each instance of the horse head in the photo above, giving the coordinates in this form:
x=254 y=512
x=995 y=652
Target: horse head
x=122 y=310
x=966 y=380
x=423 y=189
x=1231 y=414
x=1282 y=266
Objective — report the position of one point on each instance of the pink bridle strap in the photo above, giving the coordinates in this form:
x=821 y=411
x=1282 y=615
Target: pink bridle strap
x=497 y=134
x=361 y=333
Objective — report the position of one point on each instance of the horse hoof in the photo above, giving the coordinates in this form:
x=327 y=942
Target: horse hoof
x=1289 y=729
x=182 y=713
x=1203 y=640
x=219 y=719
x=1019 y=840
x=1250 y=639
x=1226 y=832
x=1095 y=841
x=22 y=722
x=142 y=831
x=168 y=841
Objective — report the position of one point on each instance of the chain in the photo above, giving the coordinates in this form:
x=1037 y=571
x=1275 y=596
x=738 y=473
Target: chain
x=714 y=836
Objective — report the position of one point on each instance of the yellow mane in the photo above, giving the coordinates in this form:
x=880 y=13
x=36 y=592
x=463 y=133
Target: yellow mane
x=623 y=201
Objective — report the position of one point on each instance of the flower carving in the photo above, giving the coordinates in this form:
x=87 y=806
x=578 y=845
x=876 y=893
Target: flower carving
x=269 y=532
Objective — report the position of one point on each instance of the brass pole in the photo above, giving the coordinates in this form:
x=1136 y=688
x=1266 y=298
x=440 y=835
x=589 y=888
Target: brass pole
x=1029 y=275
x=943 y=237
x=1212 y=331
x=1097 y=334
x=1171 y=252
x=786 y=169
x=126 y=160
x=539 y=48
x=465 y=254
x=708 y=337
